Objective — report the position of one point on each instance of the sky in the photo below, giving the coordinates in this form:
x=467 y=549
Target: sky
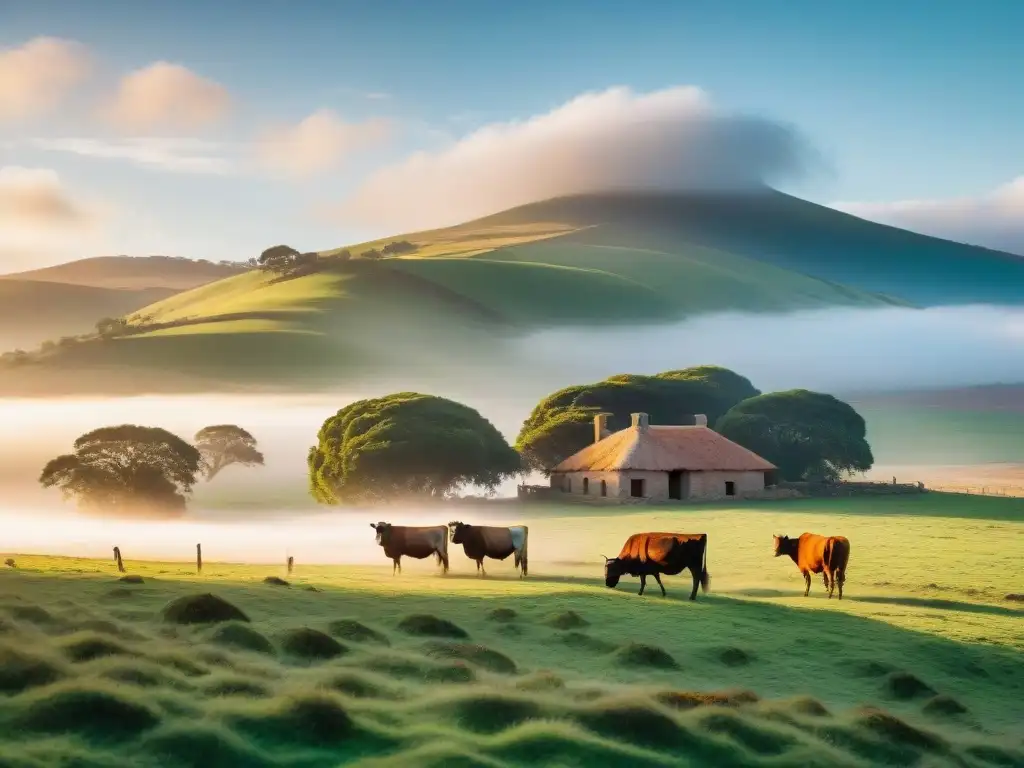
x=214 y=130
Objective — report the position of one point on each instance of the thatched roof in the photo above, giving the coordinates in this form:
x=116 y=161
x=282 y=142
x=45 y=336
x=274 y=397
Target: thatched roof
x=664 y=449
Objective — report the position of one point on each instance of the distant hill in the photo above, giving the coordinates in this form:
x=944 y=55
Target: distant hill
x=132 y=272
x=588 y=260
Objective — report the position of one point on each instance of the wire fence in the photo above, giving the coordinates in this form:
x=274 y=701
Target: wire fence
x=1016 y=491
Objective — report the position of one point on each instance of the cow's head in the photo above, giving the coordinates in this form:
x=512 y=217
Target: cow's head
x=383 y=532
x=459 y=531
x=781 y=545
x=612 y=571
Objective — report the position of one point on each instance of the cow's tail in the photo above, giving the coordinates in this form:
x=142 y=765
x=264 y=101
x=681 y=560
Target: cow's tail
x=705 y=577
x=523 y=553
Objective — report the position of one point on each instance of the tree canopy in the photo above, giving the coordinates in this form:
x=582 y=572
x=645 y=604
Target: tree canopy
x=126 y=468
x=222 y=445
x=807 y=435
x=406 y=444
x=562 y=423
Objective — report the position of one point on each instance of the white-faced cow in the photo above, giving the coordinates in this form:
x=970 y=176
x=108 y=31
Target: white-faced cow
x=827 y=555
x=653 y=554
x=415 y=541
x=496 y=542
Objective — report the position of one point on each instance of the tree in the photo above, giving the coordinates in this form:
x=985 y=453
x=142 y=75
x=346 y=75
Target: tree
x=562 y=423
x=126 y=468
x=225 y=444
x=278 y=258
x=807 y=435
x=397 y=247
x=373 y=254
x=406 y=444
x=108 y=327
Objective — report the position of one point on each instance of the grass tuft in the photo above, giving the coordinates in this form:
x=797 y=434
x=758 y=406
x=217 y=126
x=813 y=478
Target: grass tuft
x=757 y=739
x=544 y=680
x=318 y=720
x=87 y=647
x=734 y=657
x=362 y=685
x=693 y=699
x=490 y=712
x=479 y=655
x=356 y=632
x=903 y=686
x=897 y=732
x=236 y=686
x=311 y=645
x=201 y=609
x=241 y=637
x=202 y=746
x=98 y=714
x=567 y=620
x=944 y=705
x=634 y=723
x=996 y=755
x=583 y=642
x=132 y=578
x=502 y=615
x=426 y=625
x=20 y=670
x=643 y=655
x=422 y=671
x=276 y=581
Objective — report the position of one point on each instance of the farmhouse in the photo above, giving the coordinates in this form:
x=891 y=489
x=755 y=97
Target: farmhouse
x=660 y=463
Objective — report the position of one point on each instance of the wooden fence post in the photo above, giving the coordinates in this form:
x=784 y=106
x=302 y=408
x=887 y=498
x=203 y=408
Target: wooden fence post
x=291 y=563
x=117 y=559
x=199 y=558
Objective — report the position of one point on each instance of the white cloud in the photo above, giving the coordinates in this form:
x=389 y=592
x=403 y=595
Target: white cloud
x=320 y=142
x=37 y=75
x=994 y=220
x=615 y=139
x=165 y=154
x=39 y=218
x=164 y=95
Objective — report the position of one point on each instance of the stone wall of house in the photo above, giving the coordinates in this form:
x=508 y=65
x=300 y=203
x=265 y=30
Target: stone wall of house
x=711 y=485
x=703 y=485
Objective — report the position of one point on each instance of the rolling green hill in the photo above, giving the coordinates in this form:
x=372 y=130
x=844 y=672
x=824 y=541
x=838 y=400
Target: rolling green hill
x=131 y=272
x=589 y=260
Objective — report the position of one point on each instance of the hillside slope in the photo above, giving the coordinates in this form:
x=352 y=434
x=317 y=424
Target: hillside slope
x=132 y=272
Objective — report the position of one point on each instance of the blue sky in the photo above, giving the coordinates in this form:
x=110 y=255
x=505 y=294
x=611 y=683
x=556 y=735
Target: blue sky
x=904 y=101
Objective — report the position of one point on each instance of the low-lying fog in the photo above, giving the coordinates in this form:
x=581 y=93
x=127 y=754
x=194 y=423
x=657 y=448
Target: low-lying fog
x=839 y=351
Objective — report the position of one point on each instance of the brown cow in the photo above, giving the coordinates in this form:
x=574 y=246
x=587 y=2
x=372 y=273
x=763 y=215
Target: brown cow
x=652 y=554
x=494 y=541
x=817 y=554
x=415 y=541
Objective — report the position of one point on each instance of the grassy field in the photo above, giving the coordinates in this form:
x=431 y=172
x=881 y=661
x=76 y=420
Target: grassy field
x=921 y=664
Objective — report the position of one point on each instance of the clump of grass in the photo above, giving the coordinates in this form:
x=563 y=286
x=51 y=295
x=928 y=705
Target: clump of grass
x=1015 y=598
x=904 y=686
x=584 y=642
x=33 y=614
x=356 y=632
x=490 y=712
x=544 y=680
x=205 y=608
x=361 y=685
x=201 y=746
x=693 y=699
x=236 y=686
x=276 y=581
x=633 y=722
x=311 y=720
x=88 y=647
x=894 y=730
x=996 y=755
x=642 y=655
x=944 y=705
x=481 y=656
x=241 y=637
x=567 y=620
x=762 y=741
x=20 y=671
x=806 y=705
x=132 y=578
x=96 y=713
x=734 y=657
x=311 y=645
x=872 y=669
x=422 y=671
x=502 y=615
x=181 y=664
x=109 y=628
x=143 y=675
x=426 y=625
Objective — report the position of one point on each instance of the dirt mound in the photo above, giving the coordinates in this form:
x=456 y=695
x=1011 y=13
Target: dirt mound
x=314 y=720
x=479 y=655
x=490 y=712
x=1015 y=598
x=873 y=669
x=202 y=746
x=754 y=737
x=944 y=705
x=95 y=713
x=276 y=581
x=642 y=655
x=311 y=645
x=425 y=625
x=894 y=730
x=567 y=620
x=87 y=647
x=201 y=609
x=132 y=578
x=732 y=656
x=502 y=615
x=635 y=723
x=904 y=686
x=236 y=686
x=20 y=671
x=356 y=632
x=241 y=637
x=584 y=642
x=693 y=699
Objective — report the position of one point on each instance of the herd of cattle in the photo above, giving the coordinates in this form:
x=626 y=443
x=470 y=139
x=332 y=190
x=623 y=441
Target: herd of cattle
x=643 y=554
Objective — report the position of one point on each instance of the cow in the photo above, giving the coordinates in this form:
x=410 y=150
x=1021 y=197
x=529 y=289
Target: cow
x=496 y=542
x=653 y=554
x=414 y=541
x=812 y=553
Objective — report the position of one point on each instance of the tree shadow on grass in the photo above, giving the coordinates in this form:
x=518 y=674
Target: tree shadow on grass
x=940 y=604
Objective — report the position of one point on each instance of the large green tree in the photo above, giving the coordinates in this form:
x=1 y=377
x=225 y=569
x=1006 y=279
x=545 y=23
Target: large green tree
x=406 y=445
x=127 y=469
x=807 y=435
x=562 y=423
x=222 y=445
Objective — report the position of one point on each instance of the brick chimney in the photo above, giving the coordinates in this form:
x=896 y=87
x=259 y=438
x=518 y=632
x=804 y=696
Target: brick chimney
x=700 y=419
x=600 y=427
x=640 y=421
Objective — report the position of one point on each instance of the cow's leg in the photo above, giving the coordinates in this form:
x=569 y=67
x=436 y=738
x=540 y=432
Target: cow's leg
x=825 y=576
x=480 y=563
x=643 y=584
x=696 y=582
x=841 y=577
x=657 y=578
x=807 y=583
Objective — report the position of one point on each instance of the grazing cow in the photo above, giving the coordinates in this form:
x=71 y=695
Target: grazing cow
x=497 y=542
x=812 y=553
x=653 y=554
x=414 y=541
